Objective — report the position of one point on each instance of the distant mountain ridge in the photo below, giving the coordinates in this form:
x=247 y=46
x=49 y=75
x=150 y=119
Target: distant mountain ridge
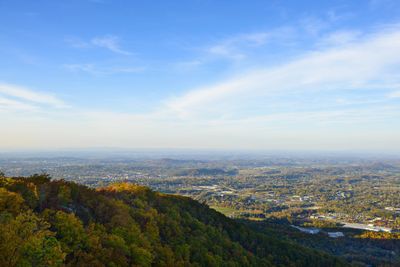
x=58 y=223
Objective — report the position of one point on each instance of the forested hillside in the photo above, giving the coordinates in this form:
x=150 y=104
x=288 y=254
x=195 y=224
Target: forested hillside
x=58 y=223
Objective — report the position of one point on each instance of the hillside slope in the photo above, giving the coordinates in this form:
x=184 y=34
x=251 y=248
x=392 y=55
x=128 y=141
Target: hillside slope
x=58 y=223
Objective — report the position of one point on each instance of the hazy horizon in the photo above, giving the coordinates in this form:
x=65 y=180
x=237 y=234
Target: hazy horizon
x=192 y=153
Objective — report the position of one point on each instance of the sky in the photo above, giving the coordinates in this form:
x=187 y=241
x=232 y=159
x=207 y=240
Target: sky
x=258 y=75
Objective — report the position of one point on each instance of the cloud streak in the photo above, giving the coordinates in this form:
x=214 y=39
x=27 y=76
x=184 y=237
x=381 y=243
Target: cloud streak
x=361 y=63
x=110 y=42
x=13 y=105
x=31 y=96
x=235 y=46
x=94 y=69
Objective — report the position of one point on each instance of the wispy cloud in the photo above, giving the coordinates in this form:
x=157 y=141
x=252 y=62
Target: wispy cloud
x=342 y=37
x=96 y=70
x=81 y=67
x=110 y=42
x=77 y=42
x=314 y=25
x=234 y=47
x=30 y=96
x=13 y=105
x=351 y=67
x=243 y=46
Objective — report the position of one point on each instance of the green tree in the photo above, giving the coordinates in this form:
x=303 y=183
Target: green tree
x=10 y=202
x=70 y=231
x=26 y=241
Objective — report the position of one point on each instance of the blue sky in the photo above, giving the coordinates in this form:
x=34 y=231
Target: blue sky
x=289 y=75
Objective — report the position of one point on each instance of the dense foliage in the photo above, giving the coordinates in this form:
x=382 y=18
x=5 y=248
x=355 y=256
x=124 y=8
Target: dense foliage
x=58 y=223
